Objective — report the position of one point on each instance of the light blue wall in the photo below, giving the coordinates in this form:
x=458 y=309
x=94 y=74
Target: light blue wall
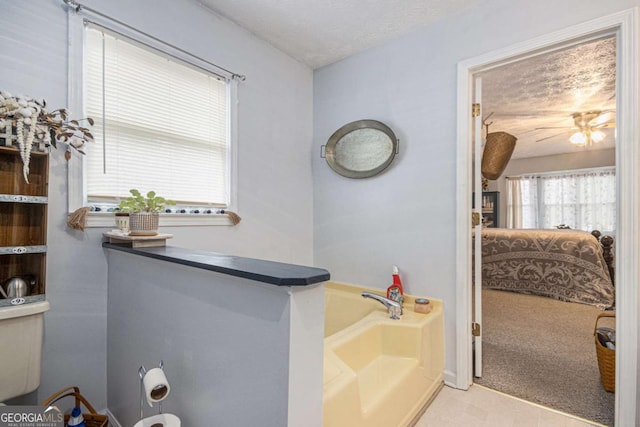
x=224 y=341
x=237 y=352
x=406 y=215
x=274 y=177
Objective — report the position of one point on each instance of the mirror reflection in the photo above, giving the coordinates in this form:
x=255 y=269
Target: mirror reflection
x=363 y=149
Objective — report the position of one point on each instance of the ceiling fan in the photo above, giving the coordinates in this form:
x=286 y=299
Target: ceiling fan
x=587 y=127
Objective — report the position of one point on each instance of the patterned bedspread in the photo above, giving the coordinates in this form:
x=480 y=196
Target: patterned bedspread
x=562 y=264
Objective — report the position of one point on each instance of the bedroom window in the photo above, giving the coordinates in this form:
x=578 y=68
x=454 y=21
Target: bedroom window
x=581 y=199
x=160 y=124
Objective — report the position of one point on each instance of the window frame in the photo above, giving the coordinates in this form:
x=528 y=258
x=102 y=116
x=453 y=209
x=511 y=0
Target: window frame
x=562 y=174
x=76 y=190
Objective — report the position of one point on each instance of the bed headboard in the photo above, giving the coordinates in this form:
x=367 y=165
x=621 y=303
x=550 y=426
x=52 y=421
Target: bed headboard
x=607 y=251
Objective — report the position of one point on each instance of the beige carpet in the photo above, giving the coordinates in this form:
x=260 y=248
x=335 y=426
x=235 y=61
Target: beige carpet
x=542 y=350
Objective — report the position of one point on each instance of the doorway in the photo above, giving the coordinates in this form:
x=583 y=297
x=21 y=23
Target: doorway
x=539 y=301
x=624 y=27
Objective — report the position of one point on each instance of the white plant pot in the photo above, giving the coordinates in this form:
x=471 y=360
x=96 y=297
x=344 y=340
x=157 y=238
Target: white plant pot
x=144 y=223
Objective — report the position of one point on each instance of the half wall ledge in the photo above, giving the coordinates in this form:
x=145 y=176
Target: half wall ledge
x=241 y=339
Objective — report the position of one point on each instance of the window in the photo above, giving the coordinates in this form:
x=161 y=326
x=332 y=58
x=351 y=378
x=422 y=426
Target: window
x=584 y=200
x=160 y=124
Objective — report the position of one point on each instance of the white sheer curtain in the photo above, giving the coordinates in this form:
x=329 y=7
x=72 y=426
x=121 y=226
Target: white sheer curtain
x=583 y=200
x=514 y=203
x=522 y=202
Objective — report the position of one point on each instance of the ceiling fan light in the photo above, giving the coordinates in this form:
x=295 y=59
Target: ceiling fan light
x=597 y=136
x=578 y=138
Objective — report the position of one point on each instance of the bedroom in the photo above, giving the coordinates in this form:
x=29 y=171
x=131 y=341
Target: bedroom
x=536 y=347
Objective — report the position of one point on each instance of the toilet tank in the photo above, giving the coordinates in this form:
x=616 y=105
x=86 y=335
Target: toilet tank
x=21 y=330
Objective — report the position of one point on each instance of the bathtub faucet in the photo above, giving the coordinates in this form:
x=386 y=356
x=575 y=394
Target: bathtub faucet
x=394 y=307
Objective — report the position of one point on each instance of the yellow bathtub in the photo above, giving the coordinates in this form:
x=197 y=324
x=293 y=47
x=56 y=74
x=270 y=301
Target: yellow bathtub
x=378 y=372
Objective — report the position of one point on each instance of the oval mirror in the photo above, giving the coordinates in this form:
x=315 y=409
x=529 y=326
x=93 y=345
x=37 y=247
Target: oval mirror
x=361 y=149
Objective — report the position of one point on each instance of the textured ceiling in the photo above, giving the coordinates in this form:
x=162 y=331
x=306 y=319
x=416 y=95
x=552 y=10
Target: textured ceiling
x=544 y=91
x=319 y=32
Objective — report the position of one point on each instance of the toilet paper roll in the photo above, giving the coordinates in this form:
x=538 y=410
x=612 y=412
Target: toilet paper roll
x=156 y=386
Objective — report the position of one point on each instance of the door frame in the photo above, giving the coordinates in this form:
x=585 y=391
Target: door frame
x=625 y=25
x=476 y=288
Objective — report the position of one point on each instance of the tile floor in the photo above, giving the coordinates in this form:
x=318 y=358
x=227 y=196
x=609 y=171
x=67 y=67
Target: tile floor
x=483 y=407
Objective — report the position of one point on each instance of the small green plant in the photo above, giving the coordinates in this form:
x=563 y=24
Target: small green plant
x=139 y=203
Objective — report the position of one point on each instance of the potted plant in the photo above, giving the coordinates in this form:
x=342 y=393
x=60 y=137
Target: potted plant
x=143 y=212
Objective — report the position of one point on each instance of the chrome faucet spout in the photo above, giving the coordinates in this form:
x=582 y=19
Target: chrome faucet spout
x=393 y=307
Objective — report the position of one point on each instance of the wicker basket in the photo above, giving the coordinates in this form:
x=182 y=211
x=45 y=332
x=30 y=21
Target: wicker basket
x=606 y=358
x=497 y=153
x=91 y=418
x=144 y=223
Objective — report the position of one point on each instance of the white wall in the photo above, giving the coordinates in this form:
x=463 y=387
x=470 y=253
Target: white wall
x=275 y=183
x=557 y=162
x=406 y=216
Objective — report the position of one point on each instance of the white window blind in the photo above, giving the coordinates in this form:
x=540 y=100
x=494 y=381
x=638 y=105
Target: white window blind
x=160 y=124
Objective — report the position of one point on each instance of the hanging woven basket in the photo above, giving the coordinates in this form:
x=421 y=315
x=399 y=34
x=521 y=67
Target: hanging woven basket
x=497 y=153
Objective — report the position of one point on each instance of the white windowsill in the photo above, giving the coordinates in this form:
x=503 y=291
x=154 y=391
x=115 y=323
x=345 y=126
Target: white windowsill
x=107 y=220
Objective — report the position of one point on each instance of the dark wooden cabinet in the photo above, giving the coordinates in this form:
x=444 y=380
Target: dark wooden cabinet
x=23 y=221
x=490 y=205
x=490 y=208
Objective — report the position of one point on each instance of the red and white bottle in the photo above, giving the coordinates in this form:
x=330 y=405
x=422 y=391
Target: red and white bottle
x=395 y=292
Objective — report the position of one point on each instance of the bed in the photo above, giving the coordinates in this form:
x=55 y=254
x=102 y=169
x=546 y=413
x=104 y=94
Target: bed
x=568 y=265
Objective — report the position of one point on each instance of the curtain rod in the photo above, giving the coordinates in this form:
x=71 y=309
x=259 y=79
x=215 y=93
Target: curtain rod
x=77 y=7
x=564 y=172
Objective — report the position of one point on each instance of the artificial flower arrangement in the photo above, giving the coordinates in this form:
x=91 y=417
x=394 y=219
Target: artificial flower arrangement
x=30 y=121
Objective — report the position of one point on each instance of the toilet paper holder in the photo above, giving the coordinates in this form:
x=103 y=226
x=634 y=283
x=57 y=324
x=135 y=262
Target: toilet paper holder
x=154 y=386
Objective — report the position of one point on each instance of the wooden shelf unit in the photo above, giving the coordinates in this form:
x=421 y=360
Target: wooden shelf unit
x=22 y=224
x=11 y=180
x=490 y=208
x=23 y=219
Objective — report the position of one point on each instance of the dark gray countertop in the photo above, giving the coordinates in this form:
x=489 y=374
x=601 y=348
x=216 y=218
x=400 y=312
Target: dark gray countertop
x=274 y=273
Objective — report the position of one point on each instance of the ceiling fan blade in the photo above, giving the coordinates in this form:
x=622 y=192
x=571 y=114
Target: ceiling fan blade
x=609 y=125
x=549 y=137
x=604 y=117
x=554 y=127
x=536 y=113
